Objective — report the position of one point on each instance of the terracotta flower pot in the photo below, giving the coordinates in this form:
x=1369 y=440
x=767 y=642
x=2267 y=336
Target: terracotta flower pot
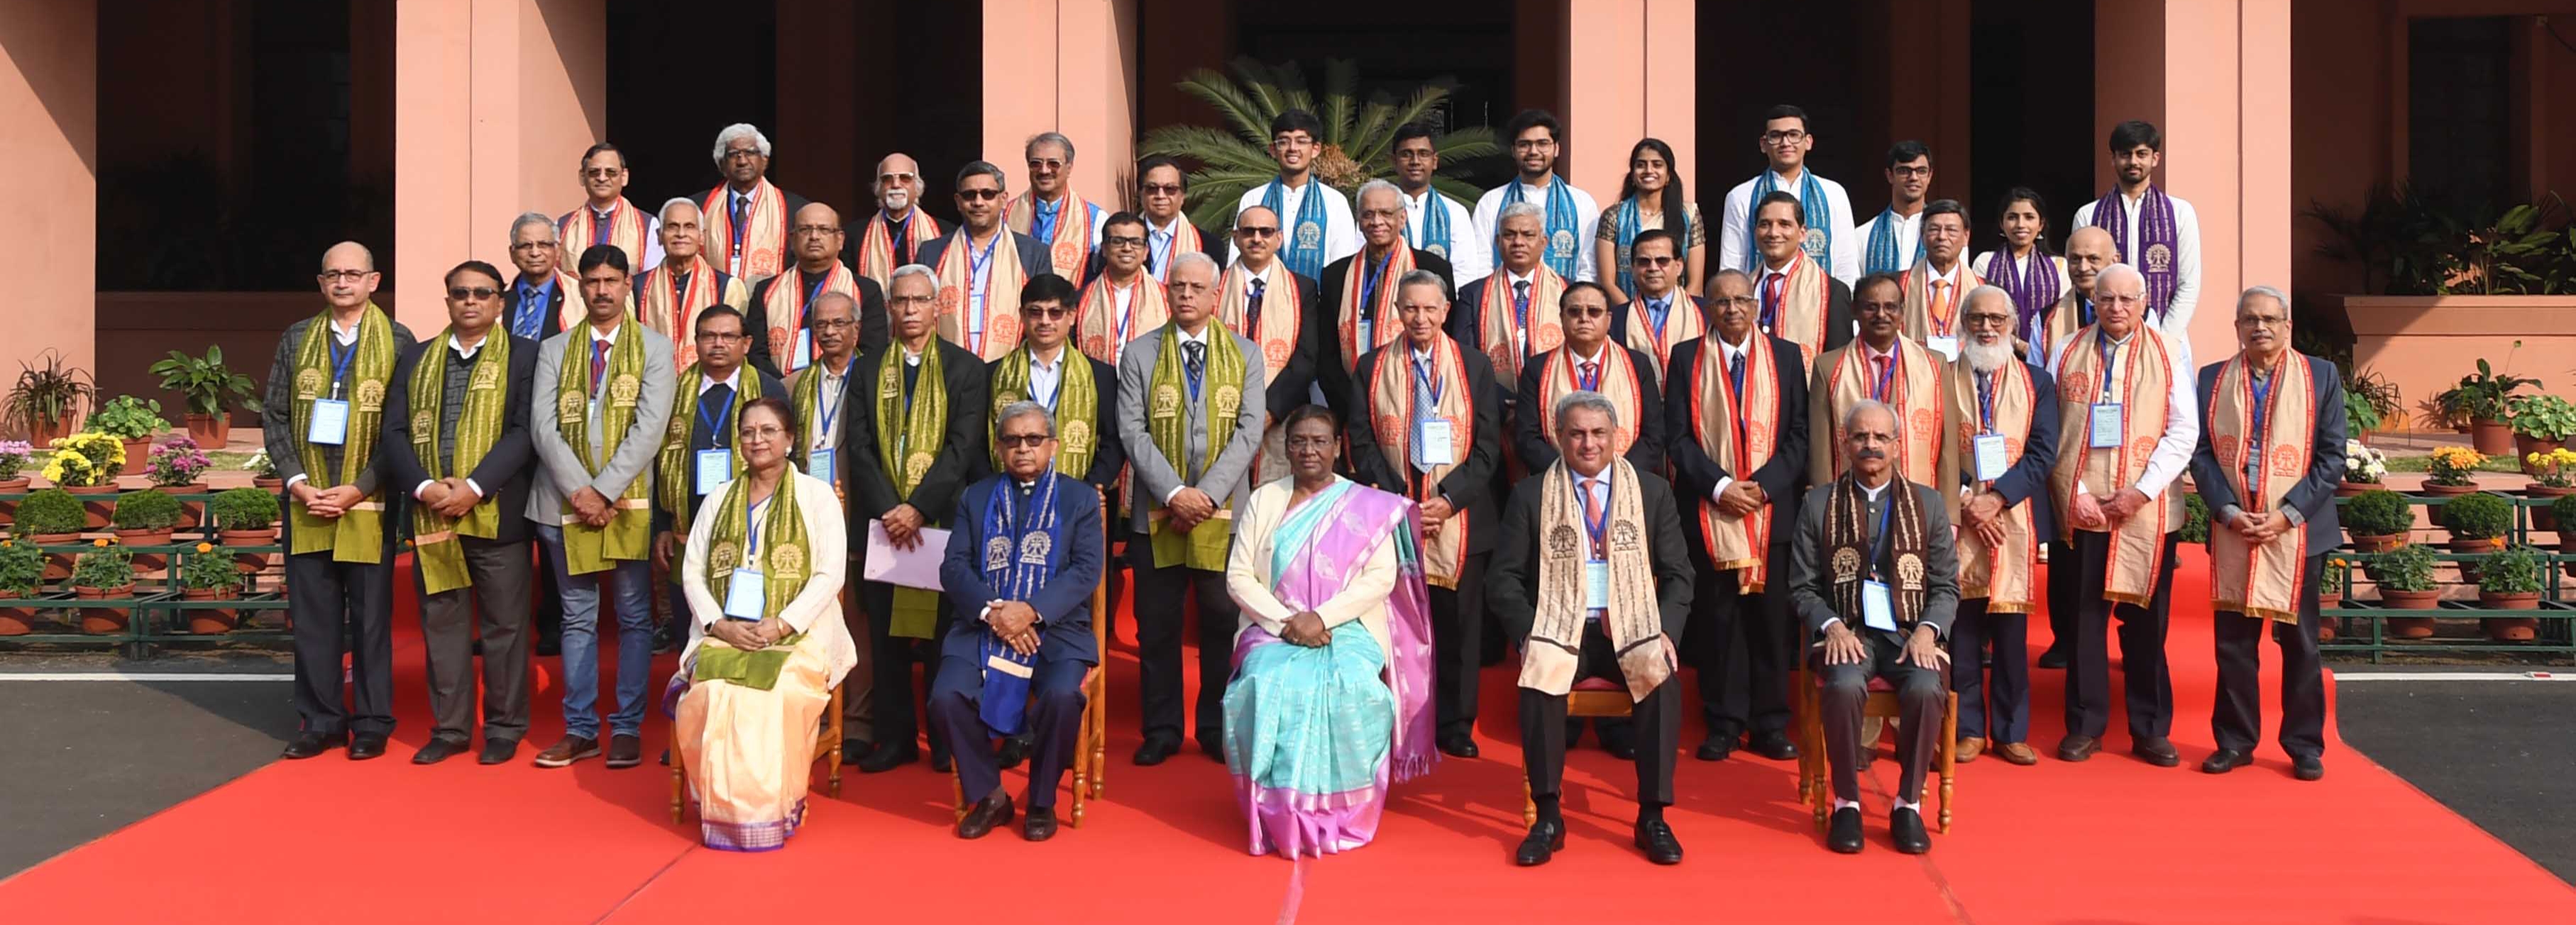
x=249 y=562
x=45 y=431
x=2448 y=491
x=2349 y=489
x=2409 y=627
x=2491 y=437
x=98 y=511
x=210 y=430
x=9 y=508
x=210 y=622
x=191 y=513
x=146 y=562
x=2523 y=447
x=2474 y=547
x=2326 y=625
x=58 y=565
x=2510 y=629
x=104 y=621
x=17 y=621
x=2369 y=543
x=2541 y=519
x=272 y=484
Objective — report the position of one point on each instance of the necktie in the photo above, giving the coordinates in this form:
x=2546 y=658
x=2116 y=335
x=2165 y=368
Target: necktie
x=1735 y=371
x=1194 y=359
x=1878 y=378
x=1771 y=286
x=1940 y=308
x=599 y=222
x=1592 y=375
x=598 y=362
x=531 y=311
x=1520 y=313
x=1592 y=515
x=715 y=405
x=1252 y=307
x=1735 y=376
x=741 y=213
x=1425 y=407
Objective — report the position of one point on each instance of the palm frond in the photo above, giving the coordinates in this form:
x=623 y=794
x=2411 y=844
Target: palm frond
x=1269 y=87
x=1468 y=144
x=1341 y=84
x=1458 y=189
x=1238 y=108
x=1368 y=140
x=1211 y=149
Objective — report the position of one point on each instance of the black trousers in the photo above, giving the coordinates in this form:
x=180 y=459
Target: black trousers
x=1741 y=645
x=1457 y=631
x=2146 y=679
x=2237 y=717
x=1657 y=721
x=547 y=602
x=1160 y=593
x=502 y=573
x=896 y=719
x=1920 y=694
x=2005 y=697
x=2063 y=602
x=342 y=609
x=1053 y=722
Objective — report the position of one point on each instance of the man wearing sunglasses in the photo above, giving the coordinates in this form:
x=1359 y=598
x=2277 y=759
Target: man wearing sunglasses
x=1080 y=394
x=781 y=317
x=981 y=266
x=1161 y=192
x=1052 y=212
x=900 y=227
x=1661 y=315
x=1262 y=297
x=607 y=218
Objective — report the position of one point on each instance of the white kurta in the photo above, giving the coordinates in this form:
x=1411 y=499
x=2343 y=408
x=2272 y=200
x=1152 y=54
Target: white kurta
x=2177 y=321
x=1843 y=257
x=1341 y=231
x=1587 y=222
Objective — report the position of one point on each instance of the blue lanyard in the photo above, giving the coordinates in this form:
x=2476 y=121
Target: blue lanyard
x=1596 y=528
x=340 y=362
x=811 y=293
x=714 y=428
x=2110 y=352
x=751 y=525
x=832 y=403
x=2262 y=387
x=1430 y=385
x=1369 y=283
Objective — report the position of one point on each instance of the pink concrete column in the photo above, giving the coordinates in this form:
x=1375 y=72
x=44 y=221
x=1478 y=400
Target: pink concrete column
x=1635 y=80
x=49 y=101
x=1067 y=66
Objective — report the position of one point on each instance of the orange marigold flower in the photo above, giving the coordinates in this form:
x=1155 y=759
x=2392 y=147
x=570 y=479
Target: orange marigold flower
x=205 y=547
x=101 y=542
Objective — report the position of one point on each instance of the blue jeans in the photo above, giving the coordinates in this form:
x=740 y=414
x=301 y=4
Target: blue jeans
x=633 y=581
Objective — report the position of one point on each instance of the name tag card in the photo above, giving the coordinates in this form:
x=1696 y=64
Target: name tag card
x=1596 y=585
x=746 y=595
x=330 y=422
x=1431 y=439
x=715 y=467
x=1945 y=346
x=800 y=357
x=1877 y=610
x=818 y=463
x=2109 y=423
x=1990 y=457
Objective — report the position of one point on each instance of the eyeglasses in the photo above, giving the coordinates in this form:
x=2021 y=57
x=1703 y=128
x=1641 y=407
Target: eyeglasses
x=1532 y=144
x=741 y=153
x=1983 y=320
x=1045 y=163
x=1416 y=154
x=1250 y=231
x=2263 y=321
x=1055 y=311
x=1114 y=241
x=462 y=293
x=1653 y=261
x=721 y=337
x=1581 y=311
x=1792 y=136
x=978 y=195
x=835 y=324
x=910 y=299
x=1159 y=189
x=817 y=230
x=1732 y=299
x=903 y=178
x=600 y=173
x=1924 y=171
x=350 y=276
x=1023 y=441
x=532 y=246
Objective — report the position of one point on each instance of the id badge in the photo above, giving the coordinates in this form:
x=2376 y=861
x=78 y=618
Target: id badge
x=1990 y=457
x=1596 y=586
x=1431 y=439
x=746 y=595
x=1877 y=610
x=2109 y=424
x=1946 y=346
x=818 y=463
x=330 y=422
x=800 y=358
x=715 y=467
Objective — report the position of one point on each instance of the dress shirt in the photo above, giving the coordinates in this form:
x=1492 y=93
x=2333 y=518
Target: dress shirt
x=1187 y=339
x=1046 y=377
x=2227 y=514
x=462 y=353
x=1598 y=486
x=2182 y=416
x=1728 y=354
x=1160 y=250
x=652 y=255
x=1587 y=221
x=1469 y=257
x=2177 y=321
x=826 y=429
x=1842 y=260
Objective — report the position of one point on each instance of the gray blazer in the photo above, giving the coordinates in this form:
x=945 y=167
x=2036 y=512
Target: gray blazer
x=1811 y=585
x=1229 y=480
x=562 y=473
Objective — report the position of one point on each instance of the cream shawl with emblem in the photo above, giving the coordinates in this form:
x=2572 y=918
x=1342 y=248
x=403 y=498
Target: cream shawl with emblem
x=1806 y=300
x=579 y=229
x=1844 y=376
x=1685 y=320
x=1392 y=411
x=1070 y=246
x=764 y=231
x=876 y=247
x=673 y=308
x=2261 y=581
x=1506 y=340
x=1103 y=330
x=2000 y=574
x=1003 y=279
x=1283 y=321
x=1717 y=413
x=1377 y=304
x=1924 y=319
x=2141 y=378
x=786 y=306
x=1619 y=382
x=1635 y=627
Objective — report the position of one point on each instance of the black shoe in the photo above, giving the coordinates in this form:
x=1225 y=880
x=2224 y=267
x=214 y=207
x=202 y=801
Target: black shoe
x=2225 y=760
x=1774 y=745
x=625 y=750
x=1844 y=835
x=549 y=646
x=1458 y=745
x=1544 y=841
x=1015 y=749
x=2077 y=747
x=439 y=749
x=1717 y=748
x=2054 y=658
x=940 y=760
x=856 y=750
x=309 y=744
x=665 y=760
x=889 y=756
x=1040 y=825
x=1905 y=828
x=2155 y=750
x=1656 y=839
x=2307 y=767
x=498 y=751
x=993 y=812
x=366 y=745
x=1621 y=744
x=1155 y=749
x=666 y=638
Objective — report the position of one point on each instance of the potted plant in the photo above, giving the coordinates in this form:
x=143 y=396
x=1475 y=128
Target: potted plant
x=245 y=517
x=145 y=518
x=132 y=420
x=2483 y=400
x=2478 y=523
x=263 y=472
x=46 y=403
x=2363 y=467
x=2541 y=423
x=86 y=463
x=173 y=468
x=2406 y=582
x=209 y=385
x=2563 y=510
x=2551 y=480
x=206 y=575
x=22 y=577
x=2452 y=470
x=2378 y=520
x=14 y=455
x=2371 y=405
x=2510 y=580
x=2330 y=585
x=51 y=517
x=104 y=573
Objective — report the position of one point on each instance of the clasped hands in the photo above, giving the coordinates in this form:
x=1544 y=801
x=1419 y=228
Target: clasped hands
x=1017 y=623
x=1306 y=629
x=1189 y=507
x=2096 y=514
x=2260 y=528
x=1983 y=517
x=449 y=497
x=327 y=502
x=750 y=635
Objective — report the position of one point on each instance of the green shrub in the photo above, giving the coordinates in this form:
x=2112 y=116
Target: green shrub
x=2378 y=512
x=243 y=509
x=22 y=569
x=146 y=510
x=2565 y=510
x=2195 y=517
x=52 y=510
x=2516 y=570
x=208 y=567
x=128 y=418
x=2482 y=515
x=2405 y=568
x=105 y=566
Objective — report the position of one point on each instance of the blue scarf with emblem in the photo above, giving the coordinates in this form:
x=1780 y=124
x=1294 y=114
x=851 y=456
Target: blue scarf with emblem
x=1819 y=243
x=1561 y=224
x=1880 y=255
x=1433 y=236
x=1023 y=550
x=1304 y=249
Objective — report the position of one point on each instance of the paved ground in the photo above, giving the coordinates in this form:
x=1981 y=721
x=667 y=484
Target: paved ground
x=2495 y=752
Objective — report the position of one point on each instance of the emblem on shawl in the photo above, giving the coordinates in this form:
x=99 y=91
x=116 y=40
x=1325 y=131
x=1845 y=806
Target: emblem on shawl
x=1560 y=245
x=1846 y=565
x=951 y=298
x=1227 y=401
x=1624 y=536
x=371 y=395
x=787 y=560
x=2159 y=258
x=486 y=376
x=997 y=553
x=2077 y=386
x=1758 y=442
x=1068 y=247
x=423 y=422
x=1926 y=423
x=2230 y=453
x=916 y=466
x=308 y=384
x=568 y=406
x=1814 y=244
x=1034 y=548
x=1005 y=397
x=893 y=388
x=2143 y=446
x=1275 y=353
x=1437 y=250
x=1909 y=571
x=625 y=390
x=2285 y=461
x=1003 y=330
x=1560 y=542
x=1076 y=437
x=678 y=429
x=1167 y=401
x=764 y=263
x=724 y=556
x=1310 y=235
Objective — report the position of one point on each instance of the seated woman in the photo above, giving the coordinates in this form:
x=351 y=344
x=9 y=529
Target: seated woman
x=1332 y=680
x=766 y=644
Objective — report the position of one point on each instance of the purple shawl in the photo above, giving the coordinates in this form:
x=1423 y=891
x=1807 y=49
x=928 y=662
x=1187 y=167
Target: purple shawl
x=2154 y=257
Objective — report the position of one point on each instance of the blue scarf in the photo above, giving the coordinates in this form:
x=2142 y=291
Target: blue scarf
x=1820 y=220
x=1561 y=220
x=1304 y=249
x=1881 y=254
x=1434 y=234
x=1628 y=232
x=1022 y=552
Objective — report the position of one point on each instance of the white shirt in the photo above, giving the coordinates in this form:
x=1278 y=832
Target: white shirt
x=2177 y=321
x=652 y=255
x=731 y=380
x=1587 y=221
x=1842 y=259
x=1046 y=378
x=1469 y=257
x=1907 y=228
x=1728 y=352
x=2182 y=415
x=829 y=401
x=1341 y=231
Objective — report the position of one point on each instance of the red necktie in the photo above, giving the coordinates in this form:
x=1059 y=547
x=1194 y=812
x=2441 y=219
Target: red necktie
x=598 y=362
x=1591 y=376
x=1592 y=515
x=1878 y=380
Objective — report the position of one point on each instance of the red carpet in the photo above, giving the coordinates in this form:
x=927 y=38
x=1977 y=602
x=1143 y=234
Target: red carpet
x=2111 y=840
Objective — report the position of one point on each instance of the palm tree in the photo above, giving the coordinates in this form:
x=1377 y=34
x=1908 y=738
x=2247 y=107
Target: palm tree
x=1358 y=139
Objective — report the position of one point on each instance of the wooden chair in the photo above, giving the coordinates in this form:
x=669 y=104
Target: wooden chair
x=1814 y=771
x=827 y=749
x=1091 y=747
x=1595 y=698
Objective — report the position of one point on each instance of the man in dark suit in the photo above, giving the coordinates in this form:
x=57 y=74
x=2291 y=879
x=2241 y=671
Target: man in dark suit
x=2244 y=468
x=1250 y=298
x=780 y=346
x=746 y=215
x=1359 y=313
x=1737 y=424
x=1162 y=188
x=532 y=305
x=978 y=305
x=1590 y=361
x=1800 y=299
x=1874 y=576
x=475 y=512
x=1998 y=454
x=1659 y=315
x=932 y=479
x=1021 y=605
x=1421 y=456
x=704 y=422
x=1591 y=577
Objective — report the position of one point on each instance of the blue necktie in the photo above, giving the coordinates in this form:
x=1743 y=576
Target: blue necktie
x=1252 y=307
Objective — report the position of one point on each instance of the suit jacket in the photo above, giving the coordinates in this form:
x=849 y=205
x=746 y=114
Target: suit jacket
x=551 y=323
x=505 y=469
x=700 y=439
x=1215 y=245
x=870 y=492
x=1293 y=387
x=1034 y=256
x=1229 y=479
x=277 y=415
x=1063 y=603
x=1696 y=475
x=873 y=324
x=1469 y=486
x=1511 y=592
x=562 y=473
x=1839 y=325
x=1329 y=371
x=2313 y=497
x=1811 y=587
x=2027 y=481
x=1530 y=440
x=1109 y=456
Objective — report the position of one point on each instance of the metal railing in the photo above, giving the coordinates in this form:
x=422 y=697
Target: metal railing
x=2362 y=627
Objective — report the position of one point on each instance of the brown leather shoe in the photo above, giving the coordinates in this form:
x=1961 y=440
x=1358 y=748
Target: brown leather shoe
x=570 y=749
x=1968 y=750
x=2019 y=753
x=2078 y=747
x=625 y=750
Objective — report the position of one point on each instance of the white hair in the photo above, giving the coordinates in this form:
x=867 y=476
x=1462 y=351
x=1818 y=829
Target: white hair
x=1048 y=138
x=1378 y=185
x=2103 y=279
x=2266 y=292
x=1866 y=405
x=529 y=218
x=1021 y=409
x=1422 y=277
x=1195 y=258
x=1580 y=400
x=664 y=216
x=1988 y=291
x=914 y=269
x=1521 y=208
x=740 y=130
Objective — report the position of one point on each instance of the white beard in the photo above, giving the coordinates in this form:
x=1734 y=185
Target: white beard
x=1987 y=358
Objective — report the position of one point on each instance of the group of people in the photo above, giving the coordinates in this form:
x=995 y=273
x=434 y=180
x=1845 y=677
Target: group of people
x=1375 y=440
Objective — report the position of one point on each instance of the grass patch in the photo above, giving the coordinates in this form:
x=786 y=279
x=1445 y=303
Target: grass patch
x=2425 y=464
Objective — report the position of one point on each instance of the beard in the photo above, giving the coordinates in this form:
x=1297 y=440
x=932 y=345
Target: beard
x=1987 y=358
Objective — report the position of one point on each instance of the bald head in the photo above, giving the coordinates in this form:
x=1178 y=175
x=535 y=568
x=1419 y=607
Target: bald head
x=816 y=237
x=348 y=276
x=2088 y=250
x=898 y=183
